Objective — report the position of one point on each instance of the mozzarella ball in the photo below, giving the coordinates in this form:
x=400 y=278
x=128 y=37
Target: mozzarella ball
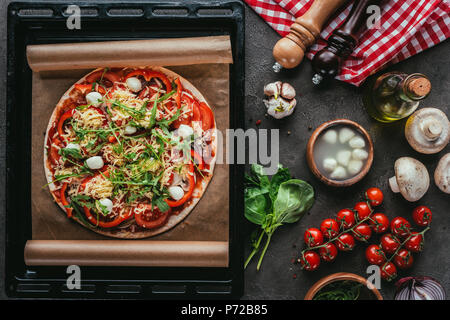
x=130 y=130
x=107 y=204
x=73 y=146
x=343 y=157
x=176 y=192
x=134 y=84
x=354 y=166
x=93 y=98
x=95 y=162
x=345 y=134
x=185 y=131
x=357 y=142
x=330 y=136
x=339 y=173
x=329 y=164
x=360 y=154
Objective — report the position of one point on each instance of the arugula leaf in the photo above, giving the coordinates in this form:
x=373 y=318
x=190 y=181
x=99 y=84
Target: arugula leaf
x=161 y=204
x=70 y=152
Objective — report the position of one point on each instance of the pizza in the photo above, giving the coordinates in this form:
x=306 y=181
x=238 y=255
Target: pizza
x=129 y=152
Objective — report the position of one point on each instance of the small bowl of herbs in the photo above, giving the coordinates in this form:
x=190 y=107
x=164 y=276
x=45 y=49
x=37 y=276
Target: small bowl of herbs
x=343 y=286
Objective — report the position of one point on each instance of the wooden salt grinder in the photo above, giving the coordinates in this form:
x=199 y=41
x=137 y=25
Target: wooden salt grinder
x=289 y=51
x=326 y=63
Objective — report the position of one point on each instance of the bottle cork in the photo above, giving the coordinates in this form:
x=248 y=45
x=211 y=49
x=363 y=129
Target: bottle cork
x=419 y=87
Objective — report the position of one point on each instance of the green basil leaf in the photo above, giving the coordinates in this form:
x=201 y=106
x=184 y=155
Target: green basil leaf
x=278 y=178
x=257 y=172
x=256 y=205
x=294 y=198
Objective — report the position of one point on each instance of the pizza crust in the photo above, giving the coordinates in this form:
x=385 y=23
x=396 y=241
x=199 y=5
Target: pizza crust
x=174 y=219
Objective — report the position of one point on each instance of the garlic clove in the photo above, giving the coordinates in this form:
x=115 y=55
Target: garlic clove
x=354 y=166
x=330 y=136
x=360 y=154
x=287 y=91
x=357 y=142
x=73 y=146
x=339 y=173
x=329 y=164
x=273 y=89
x=345 y=134
x=343 y=157
x=279 y=108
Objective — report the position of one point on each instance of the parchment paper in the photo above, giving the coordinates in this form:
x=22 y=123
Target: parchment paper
x=206 y=228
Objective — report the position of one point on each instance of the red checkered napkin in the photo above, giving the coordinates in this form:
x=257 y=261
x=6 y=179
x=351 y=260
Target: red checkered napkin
x=407 y=28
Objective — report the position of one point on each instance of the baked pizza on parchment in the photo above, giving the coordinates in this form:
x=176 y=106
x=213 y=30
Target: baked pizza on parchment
x=129 y=152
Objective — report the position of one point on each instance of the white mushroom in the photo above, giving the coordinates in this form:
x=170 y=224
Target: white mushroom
x=427 y=130
x=93 y=98
x=411 y=179
x=339 y=173
x=442 y=174
x=134 y=84
x=360 y=154
x=345 y=134
x=343 y=157
x=357 y=142
x=329 y=164
x=354 y=166
x=330 y=136
x=280 y=108
x=95 y=162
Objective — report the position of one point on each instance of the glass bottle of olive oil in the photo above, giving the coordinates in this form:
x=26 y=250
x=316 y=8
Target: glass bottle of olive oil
x=395 y=95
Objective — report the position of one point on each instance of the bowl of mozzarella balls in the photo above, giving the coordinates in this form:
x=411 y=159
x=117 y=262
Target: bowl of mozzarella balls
x=340 y=152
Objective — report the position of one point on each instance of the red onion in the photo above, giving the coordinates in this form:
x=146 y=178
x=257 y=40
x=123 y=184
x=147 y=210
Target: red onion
x=419 y=288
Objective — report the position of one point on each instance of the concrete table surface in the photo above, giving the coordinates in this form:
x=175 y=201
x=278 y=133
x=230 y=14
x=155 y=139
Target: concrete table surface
x=279 y=278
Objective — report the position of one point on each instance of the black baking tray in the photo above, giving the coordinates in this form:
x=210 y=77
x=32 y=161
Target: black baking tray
x=45 y=22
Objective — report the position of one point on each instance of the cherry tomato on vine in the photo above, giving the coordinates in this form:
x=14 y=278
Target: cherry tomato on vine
x=310 y=261
x=329 y=252
x=379 y=222
x=422 y=216
x=388 y=271
x=374 y=196
x=403 y=259
x=362 y=232
x=345 y=242
x=329 y=228
x=313 y=237
x=415 y=242
x=346 y=218
x=389 y=243
x=400 y=227
x=362 y=210
x=375 y=255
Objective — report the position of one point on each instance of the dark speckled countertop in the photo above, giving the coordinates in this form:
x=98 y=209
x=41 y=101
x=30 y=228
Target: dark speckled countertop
x=279 y=277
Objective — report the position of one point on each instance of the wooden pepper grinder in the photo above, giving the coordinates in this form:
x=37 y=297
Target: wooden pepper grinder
x=289 y=51
x=326 y=63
